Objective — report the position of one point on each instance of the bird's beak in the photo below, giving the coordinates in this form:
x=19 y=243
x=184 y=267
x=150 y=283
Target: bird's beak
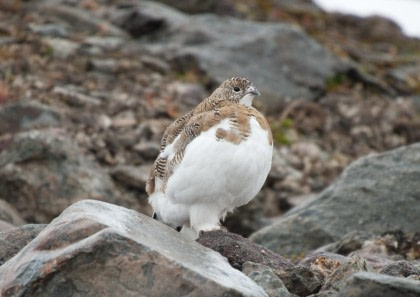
x=253 y=91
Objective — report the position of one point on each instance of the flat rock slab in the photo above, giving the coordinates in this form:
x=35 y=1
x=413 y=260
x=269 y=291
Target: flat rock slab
x=369 y=284
x=375 y=194
x=98 y=249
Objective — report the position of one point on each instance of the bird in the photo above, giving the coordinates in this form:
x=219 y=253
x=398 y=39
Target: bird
x=212 y=160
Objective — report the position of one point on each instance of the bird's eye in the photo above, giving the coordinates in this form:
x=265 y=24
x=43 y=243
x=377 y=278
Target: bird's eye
x=236 y=89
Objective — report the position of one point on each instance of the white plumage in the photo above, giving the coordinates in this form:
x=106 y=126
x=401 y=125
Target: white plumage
x=215 y=175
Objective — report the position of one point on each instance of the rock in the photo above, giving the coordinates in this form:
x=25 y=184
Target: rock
x=124 y=119
x=9 y=214
x=307 y=6
x=238 y=250
x=381 y=189
x=79 y=19
x=99 y=249
x=51 y=30
x=351 y=242
x=107 y=43
x=132 y=176
x=5 y=226
x=61 y=48
x=149 y=150
x=12 y=241
x=337 y=278
x=152 y=130
x=46 y=171
x=368 y=284
x=401 y=268
x=405 y=79
x=323 y=259
x=414 y=277
x=155 y=64
x=216 y=48
x=107 y=66
x=74 y=97
x=27 y=115
x=323 y=263
x=265 y=277
x=225 y=7
x=185 y=96
x=329 y=293
x=393 y=245
x=253 y=216
x=242 y=9
x=378 y=251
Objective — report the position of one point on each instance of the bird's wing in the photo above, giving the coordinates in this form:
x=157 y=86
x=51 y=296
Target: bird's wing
x=159 y=166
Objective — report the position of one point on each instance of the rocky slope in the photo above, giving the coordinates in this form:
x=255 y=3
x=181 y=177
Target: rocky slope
x=87 y=89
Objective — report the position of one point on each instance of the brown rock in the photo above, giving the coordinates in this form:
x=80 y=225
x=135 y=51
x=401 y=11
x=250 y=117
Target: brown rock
x=99 y=249
x=323 y=263
x=238 y=250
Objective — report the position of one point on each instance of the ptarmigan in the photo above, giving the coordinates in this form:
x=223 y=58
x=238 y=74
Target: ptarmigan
x=212 y=160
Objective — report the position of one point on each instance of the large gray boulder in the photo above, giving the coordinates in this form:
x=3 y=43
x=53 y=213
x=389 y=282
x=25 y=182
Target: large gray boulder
x=44 y=171
x=374 y=194
x=281 y=59
x=98 y=249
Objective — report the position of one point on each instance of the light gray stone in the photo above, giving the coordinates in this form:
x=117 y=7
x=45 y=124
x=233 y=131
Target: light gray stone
x=46 y=171
x=27 y=115
x=368 y=284
x=266 y=278
x=99 y=249
x=374 y=194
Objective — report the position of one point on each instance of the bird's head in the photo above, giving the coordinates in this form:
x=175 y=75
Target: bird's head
x=237 y=89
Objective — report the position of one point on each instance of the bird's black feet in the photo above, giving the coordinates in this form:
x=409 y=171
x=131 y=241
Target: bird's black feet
x=154 y=216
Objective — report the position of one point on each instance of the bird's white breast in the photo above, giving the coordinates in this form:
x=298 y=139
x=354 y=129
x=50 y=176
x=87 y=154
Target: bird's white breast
x=221 y=172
